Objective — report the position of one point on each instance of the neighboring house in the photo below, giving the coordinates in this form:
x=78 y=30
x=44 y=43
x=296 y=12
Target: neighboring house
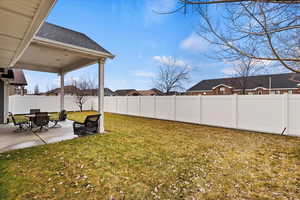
x=151 y=92
x=127 y=92
x=172 y=93
x=18 y=84
x=16 y=79
x=261 y=84
x=69 y=90
x=94 y=92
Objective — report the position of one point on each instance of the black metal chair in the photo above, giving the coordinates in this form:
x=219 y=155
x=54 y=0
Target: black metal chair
x=89 y=126
x=41 y=120
x=20 y=121
x=55 y=118
x=34 y=111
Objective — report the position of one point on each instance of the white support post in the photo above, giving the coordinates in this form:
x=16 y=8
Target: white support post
x=6 y=101
x=62 y=91
x=101 y=94
x=285 y=111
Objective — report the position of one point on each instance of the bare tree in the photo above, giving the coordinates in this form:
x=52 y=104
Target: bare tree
x=36 y=90
x=266 y=30
x=244 y=68
x=171 y=77
x=81 y=89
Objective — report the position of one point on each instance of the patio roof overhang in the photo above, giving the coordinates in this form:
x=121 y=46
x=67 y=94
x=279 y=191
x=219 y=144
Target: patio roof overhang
x=19 y=22
x=47 y=55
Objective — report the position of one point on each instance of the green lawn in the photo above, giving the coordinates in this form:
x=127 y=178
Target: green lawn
x=143 y=158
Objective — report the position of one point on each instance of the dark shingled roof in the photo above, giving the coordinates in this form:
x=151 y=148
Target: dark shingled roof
x=61 y=34
x=288 y=80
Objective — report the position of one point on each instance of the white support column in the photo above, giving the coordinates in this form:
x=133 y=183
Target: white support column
x=6 y=100
x=62 y=91
x=101 y=94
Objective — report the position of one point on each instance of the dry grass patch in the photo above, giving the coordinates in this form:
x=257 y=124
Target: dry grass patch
x=143 y=158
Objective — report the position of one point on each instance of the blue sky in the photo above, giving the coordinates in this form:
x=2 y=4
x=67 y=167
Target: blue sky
x=140 y=39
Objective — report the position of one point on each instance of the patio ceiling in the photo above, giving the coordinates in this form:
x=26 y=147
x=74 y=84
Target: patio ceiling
x=48 y=56
x=19 y=21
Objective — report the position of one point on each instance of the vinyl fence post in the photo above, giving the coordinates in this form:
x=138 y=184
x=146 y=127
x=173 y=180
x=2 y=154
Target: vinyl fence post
x=285 y=111
x=127 y=105
x=200 y=109
x=116 y=104
x=174 y=108
x=155 y=106
x=235 y=110
x=140 y=106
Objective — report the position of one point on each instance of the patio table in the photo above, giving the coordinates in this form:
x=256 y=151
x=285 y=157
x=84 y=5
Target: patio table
x=31 y=118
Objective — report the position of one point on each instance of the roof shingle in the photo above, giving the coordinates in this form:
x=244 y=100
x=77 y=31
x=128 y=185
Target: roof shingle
x=64 y=35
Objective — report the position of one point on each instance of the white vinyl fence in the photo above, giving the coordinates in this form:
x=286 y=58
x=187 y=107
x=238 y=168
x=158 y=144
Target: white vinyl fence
x=265 y=113
x=23 y=104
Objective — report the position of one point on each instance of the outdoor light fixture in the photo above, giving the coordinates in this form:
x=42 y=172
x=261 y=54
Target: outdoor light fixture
x=7 y=75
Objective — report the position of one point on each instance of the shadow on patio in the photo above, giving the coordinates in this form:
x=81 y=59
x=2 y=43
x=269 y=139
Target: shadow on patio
x=10 y=140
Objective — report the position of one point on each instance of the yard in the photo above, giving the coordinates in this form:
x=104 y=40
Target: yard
x=143 y=158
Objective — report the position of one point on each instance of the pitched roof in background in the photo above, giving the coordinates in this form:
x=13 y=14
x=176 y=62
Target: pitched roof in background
x=109 y=92
x=94 y=92
x=151 y=92
x=64 y=35
x=127 y=92
x=287 y=80
x=19 y=78
x=69 y=89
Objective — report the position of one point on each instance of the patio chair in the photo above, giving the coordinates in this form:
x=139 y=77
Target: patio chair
x=89 y=126
x=22 y=122
x=34 y=111
x=58 y=117
x=41 y=120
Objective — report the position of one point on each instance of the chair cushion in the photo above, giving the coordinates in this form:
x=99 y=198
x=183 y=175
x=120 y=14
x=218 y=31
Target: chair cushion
x=54 y=117
x=20 y=119
x=80 y=117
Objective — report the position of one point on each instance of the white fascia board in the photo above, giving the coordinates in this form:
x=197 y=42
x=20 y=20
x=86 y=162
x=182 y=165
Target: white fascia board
x=61 y=45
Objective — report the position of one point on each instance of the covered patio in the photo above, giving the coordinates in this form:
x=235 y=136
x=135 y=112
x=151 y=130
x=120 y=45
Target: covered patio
x=40 y=46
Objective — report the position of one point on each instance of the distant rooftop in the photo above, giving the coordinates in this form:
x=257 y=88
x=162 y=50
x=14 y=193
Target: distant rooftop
x=287 y=80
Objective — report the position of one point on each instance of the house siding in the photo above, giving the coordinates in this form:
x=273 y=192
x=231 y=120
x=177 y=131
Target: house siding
x=229 y=91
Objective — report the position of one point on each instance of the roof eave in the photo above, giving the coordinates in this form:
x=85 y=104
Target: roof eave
x=57 y=44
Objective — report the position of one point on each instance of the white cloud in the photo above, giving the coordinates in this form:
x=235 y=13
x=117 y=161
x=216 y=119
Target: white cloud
x=194 y=43
x=154 y=7
x=228 y=71
x=168 y=60
x=144 y=74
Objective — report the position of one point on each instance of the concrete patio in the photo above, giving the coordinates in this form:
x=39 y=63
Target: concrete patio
x=10 y=140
